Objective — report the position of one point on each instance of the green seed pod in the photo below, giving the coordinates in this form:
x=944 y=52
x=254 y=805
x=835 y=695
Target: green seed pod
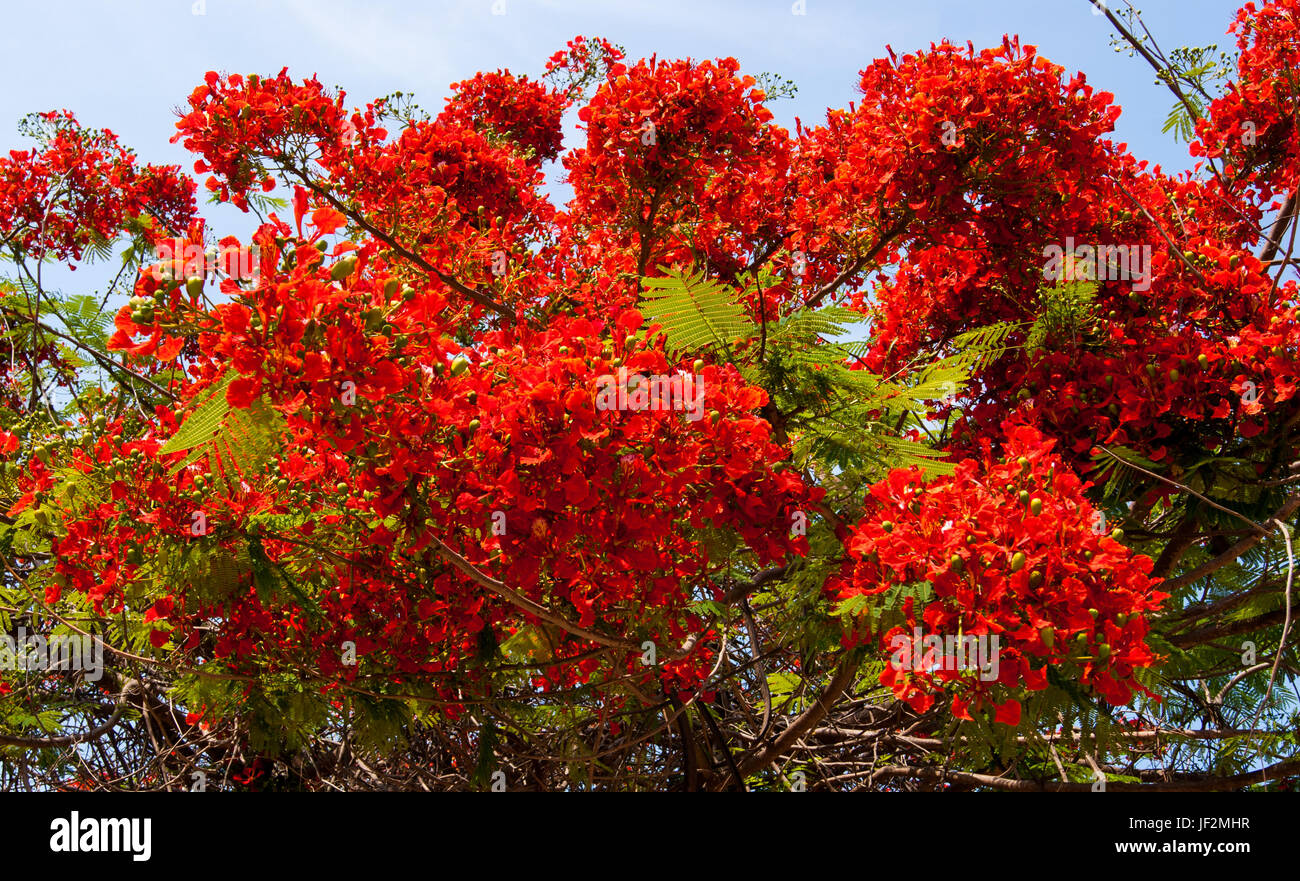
x=344 y=268
x=459 y=365
x=1036 y=507
x=1018 y=560
x=1047 y=635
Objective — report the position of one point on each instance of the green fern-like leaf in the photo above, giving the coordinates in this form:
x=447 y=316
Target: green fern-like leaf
x=832 y=321
x=695 y=312
x=910 y=453
x=205 y=422
x=235 y=442
x=85 y=320
x=976 y=349
x=886 y=609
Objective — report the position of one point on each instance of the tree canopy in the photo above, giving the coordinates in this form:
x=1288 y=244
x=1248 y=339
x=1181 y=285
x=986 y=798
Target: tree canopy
x=942 y=443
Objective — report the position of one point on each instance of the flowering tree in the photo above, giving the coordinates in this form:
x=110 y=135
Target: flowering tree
x=942 y=444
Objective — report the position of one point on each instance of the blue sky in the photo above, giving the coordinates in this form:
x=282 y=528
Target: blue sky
x=127 y=65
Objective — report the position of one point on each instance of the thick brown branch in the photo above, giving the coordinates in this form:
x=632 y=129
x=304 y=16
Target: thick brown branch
x=72 y=739
x=843 y=677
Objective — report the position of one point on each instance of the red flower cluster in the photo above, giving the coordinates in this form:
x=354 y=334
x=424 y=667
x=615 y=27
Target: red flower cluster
x=522 y=110
x=1253 y=127
x=1011 y=549
x=444 y=178
x=82 y=186
x=582 y=61
x=684 y=153
x=588 y=501
x=235 y=122
x=946 y=161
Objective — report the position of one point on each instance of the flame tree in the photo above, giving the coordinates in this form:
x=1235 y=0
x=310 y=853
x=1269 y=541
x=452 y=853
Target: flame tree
x=953 y=446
